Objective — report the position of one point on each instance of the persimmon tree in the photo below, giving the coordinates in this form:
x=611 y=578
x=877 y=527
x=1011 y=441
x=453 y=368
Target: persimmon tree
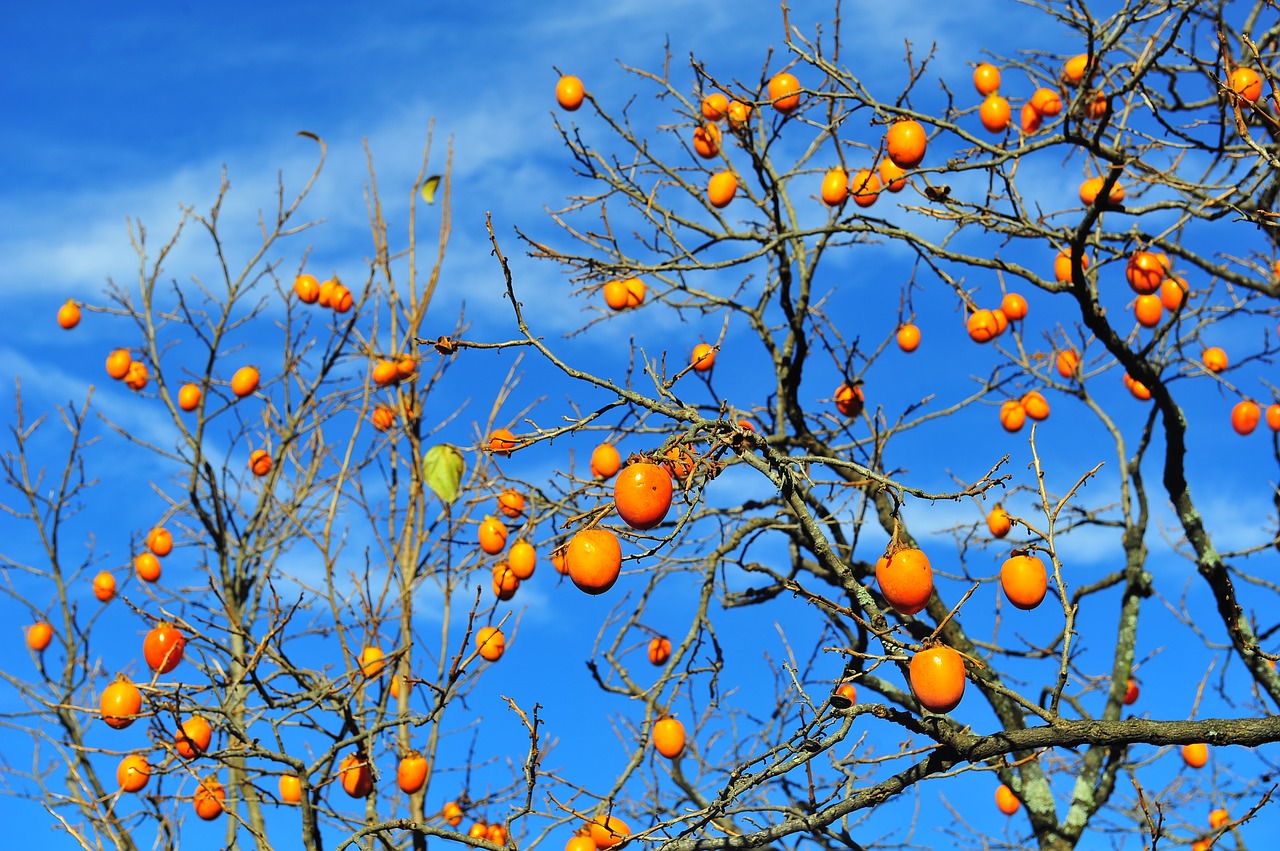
x=872 y=374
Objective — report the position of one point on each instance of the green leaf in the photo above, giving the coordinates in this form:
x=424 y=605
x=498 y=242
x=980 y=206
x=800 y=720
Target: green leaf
x=429 y=189
x=443 y=467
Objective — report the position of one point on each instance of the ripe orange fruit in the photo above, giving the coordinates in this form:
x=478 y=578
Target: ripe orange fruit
x=1090 y=189
x=1246 y=83
x=136 y=377
x=578 y=842
x=1215 y=359
x=372 y=661
x=679 y=463
x=1074 y=69
x=193 y=738
x=385 y=372
x=411 y=774
x=357 y=780
x=1147 y=309
x=522 y=559
x=1006 y=801
x=1068 y=363
x=104 y=586
x=491 y=643
x=569 y=93
x=406 y=366
x=721 y=188
x=1046 y=102
x=865 y=187
x=605 y=461
x=995 y=113
x=715 y=106
x=1025 y=581
x=133 y=772
x=1014 y=307
x=986 y=78
x=1130 y=692
x=307 y=288
x=1196 y=754
x=1036 y=406
x=905 y=143
x=69 y=315
x=118 y=363
x=739 y=114
x=1217 y=818
x=849 y=399
x=906 y=580
x=163 y=647
x=290 y=788
x=1245 y=416
x=558 y=562
x=147 y=566
x=340 y=298
x=1173 y=291
x=160 y=541
x=245 y=381
x=835 y=187
x=497 y=834
x=1137 y=388
x=706 y=141
x=119 y=702
x=1002 y=321
x=784 y=91
x=908 y=337
x=39 y=635
x=1028 y=119
x=511 y=503
x=1145 y=271
x=1098 y=107
x=848 y=692
x=659 y=650
x=189 y=397
x=937 y=678
x=668 y=737
x=505 y=583
x=326 y=293
x=452 y=813
x=1062 y=264
x=502 y=442
x=1273 y=417
x=479 y=830
x=983 y=326
x=382 y=417
x=892 y=177
x=998 y=521
x=208 y=798
x=1012 y=415
x=703 y=357
x=595 y=560
x=259 y=462
x=607 y=831
x=642 y=495
x=492 y=535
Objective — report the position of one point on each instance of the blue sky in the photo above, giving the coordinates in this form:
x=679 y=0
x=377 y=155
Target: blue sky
x=116 y=114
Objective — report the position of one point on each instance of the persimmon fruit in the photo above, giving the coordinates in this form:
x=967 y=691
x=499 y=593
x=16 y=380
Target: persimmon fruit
x=595 y=560
x=1046 y=102
x=865 y=187
x=259 y=462
x=357 y=779
x=715 y=106
x=1214 y=359
x=994 y=114
x=1012 y=415
x=892 y=177
x=1067 y=363
x=290 y=788
x=147 y=566
x=511 y=503
x=119 y=702
x=668 y=737
x=1246 y=83
x=193 y=737
x=703 y=357
x=1006 y=801
x=245 y=381
x=133 y=772
x=937 y=678
x=104 y=586
x=982 y=325
x=605 y=461
x=491 y=643
x=411 y=773
x=306 y=288
x=784 y=92
x=492 y=535
x=1245 y=416
x=908 y=338
x=39 y=636
x=118 y=363
x=189 y=397
x=522 y=559
x=608 y=831
x=160 y=541
x=986 y=78
x=721 y=188
x=706 y=141
x=835 y=187
x=659 y=650
x=905 y=143
x=1130 y=692
x=998 y=522
x=642 y=495
x=569 y=93
x=1025 y=581
x=1195 y=754
x=163 y=647
x=69 y=315
x=502 y=442
x=208 y=799
x=905 y=579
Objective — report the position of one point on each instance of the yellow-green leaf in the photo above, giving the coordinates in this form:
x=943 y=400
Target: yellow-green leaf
x=429 y=188
x=443 y=467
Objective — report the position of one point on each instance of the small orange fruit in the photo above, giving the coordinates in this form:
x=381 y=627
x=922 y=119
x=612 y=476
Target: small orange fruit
x=706 y=141
x=1246 y=83
x=160 y=541
x=1273 y=422
x=1074 y=69
x=411 y=774
x=983 y=326
x=1147 y=309
x=193 y=738
x=1062 y=264
x=1028 y=119
x=189 y=397
x=39 y=635
x=1006 y=801
x=491 y=643
x=1002 y=321
x=937 y=678
x=245 y=381
x=1130 y=692
x=908 y=337
x=1098 y=106
x=497 y=834
x=642 y=495
x=569 y=93
x=849 y=399
x=905 y=143
x=1137 y=388
x=1145 y=272
x=1024 y=580
x=1245 y=416
x=1046 y=102
x=505 y=583
x=835 y=187
x=1068 y=363
x=1012 y=415
x=1091 y=188
x=1014 y=307
x=998 y=522
x=118 y=363
x=382 y=417
x=721 y=188
x=357 y=779
x=452 y=813
x=307 y=288
x=1217 y=818
x=605 y=461
x=1196 y=754
x=986 y=78
x=326 y=292
x=502 y=442
x=607 y=831
x=703 y=357
x=104 y=586
x=385 y=372
x=522 y=559
x=163 y=647
x=739 y=114
x=1036 y=406
x=1214 y=358
x=865 y=187
x=659 y=650
x=259 y=462
x=69 y=315
x=784 y=92
x=848 y=692
x=595 y=560
x=668 y=737
x=136 y=377
x=492 y=535
x=133 y=772
x=511 y=503
x=679 y=463
x=208 y=798
x=995 y=113
x=290 y=788
x=906 y=580
x=1173 y=292
x=406 y=366
x=120 y=701
x=340 y=299
x=147 y=566
x=578 y=842
x=892 y=177
x=715 y=106
x=372 y=661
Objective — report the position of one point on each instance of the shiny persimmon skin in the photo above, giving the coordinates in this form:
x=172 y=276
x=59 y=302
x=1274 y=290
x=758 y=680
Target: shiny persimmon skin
x=1245 y=417
x=905 y=143
x=1036 y=406
x=835 y=187
x=1014 y=307
x=1130 y=692
x=892 y=178
x=569 y=93
x=715 y=107
x=119 y=701
x=937 y=678
x=995 y=113
x=668 y=737
x=1006 y=801
x=306 y=288
x=357 y=779
x=492 y=536
x=1067 y=363
x=39 y=636
x=133 y=773
x=998 y=522
x=1246 y=83
x=864 y=185
x=147 y=566
x=1012 y=416
x=1091 y=188
x=163 y=648
x=1024 y=579
x=189 y=397
x=411 y=774
x=659 y=650
x=784 y=91
x=703 y=357
x=608 y=831
x=502 y=442
x=69 y=315
x=522 y=559
x=104 y=587
x=511 y=503
x=491 y=643
x=1196 y=754
x=160 y=541
x=118 y=363
x=1214 y=359
x=908 y=338
x=721 y=188
x=605 y=461
x=290 y=788
x=642 y=495
x=245 y=381
x=849 y=400
x=905 y=580
x=193 y=737
x=208 y=799
x=982 y=326
x=986 y=78
x=595 y=560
